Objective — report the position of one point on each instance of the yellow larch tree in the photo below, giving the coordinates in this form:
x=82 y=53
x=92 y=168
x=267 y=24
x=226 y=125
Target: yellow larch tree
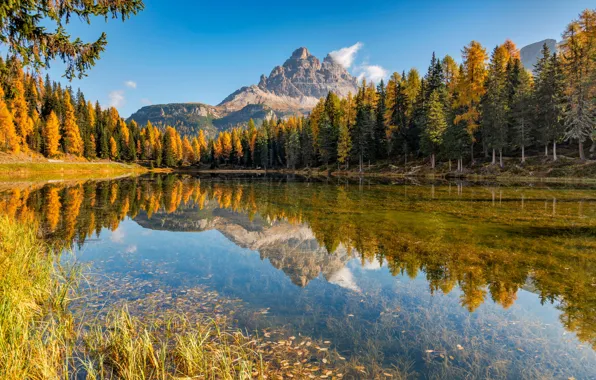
x=51 y=135
x=196 y=149
x=20 y=110
x=226 y=145
x=471 y=86
x=113 y=149
x=73 y=143
x=187 y=151
x=9 y=141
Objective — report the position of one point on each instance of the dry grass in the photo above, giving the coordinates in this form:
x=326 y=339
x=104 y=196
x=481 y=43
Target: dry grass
x=36 y=330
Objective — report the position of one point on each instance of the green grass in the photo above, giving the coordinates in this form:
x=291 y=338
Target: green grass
x=40 y=171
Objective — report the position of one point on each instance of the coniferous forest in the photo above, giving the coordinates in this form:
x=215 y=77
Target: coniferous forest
x=486 y=108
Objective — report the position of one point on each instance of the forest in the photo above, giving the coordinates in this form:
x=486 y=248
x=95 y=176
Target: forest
x=484 y=109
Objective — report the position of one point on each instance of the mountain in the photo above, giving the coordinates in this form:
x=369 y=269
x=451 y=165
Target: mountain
x=292 y=248
x=292 y=88
x=530 y=54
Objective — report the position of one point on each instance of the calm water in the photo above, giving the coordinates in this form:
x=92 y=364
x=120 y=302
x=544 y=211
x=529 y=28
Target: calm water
x=448 y=280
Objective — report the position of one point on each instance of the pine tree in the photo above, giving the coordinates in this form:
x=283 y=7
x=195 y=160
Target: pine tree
x=549 y=101
x=380 y=129
x=73 y=143
x=578 y=52
x=521 y=108
x=293 y=149
x=435 y=127
x=344 y=145
x=363 y=128
x=329 y=129
x=495 y=104
x=51 y=135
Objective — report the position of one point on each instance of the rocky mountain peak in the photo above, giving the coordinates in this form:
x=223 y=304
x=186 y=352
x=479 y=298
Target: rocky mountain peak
x=301 y=53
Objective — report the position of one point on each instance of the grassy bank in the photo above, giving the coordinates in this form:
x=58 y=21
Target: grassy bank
x=42 y=171
x=36 y=330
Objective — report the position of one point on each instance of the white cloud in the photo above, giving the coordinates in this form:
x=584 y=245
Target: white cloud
x=131 y=248
x=130 y=84
x=345 y=56
x=117 y=236
x=116 y=98
x=146 y=101
x=345 y=279
x=372 y=73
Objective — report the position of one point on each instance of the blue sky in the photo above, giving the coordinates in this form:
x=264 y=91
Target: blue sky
x=201 y=51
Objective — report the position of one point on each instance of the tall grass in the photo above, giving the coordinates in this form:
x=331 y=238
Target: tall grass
x=36 y=329
x=127 y=348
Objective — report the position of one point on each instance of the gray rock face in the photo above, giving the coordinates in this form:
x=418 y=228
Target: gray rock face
x=530 y=54
x=303 y=75
x=297 y=85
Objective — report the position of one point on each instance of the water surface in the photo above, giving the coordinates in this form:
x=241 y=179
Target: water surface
x=447 y=279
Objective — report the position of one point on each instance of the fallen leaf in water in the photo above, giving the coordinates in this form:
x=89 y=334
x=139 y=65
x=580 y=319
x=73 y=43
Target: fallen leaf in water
x=459 y=347
x=429 y=351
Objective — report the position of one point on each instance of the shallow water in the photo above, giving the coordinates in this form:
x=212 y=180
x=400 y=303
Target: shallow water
x=448 y=280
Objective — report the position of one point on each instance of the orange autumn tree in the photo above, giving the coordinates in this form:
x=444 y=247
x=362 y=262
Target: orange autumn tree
x=73 y=143
x=9 y=140
x=20 y=110
x=51 y=135
x=471 y=87
x=113 y=149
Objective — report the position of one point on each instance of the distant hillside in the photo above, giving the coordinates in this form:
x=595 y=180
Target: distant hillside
x=187 y=118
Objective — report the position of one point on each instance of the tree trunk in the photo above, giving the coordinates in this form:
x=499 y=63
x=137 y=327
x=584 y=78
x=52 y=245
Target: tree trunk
x=432 y=161
x=501 y=158
x=472 y=154
x=554 y=151
x=494 y=157
x=581 y=151
x=546 y=150
x=449 y=165
x=360 y=159
x=523 y=154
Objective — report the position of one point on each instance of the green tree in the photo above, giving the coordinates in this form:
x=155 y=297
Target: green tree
x=495 y=105
x=435 y=127
x=521 y=110
x=35 y=30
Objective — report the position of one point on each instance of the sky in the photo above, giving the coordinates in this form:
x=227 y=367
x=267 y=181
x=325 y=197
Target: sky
x=201 y=51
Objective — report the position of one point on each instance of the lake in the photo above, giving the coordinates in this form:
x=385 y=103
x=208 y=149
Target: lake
x=445 y=279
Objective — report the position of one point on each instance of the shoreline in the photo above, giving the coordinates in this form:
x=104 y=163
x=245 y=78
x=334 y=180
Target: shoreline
x=392 y=175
